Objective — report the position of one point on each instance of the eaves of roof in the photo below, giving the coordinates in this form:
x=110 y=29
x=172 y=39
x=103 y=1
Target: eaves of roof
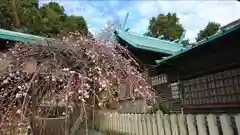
x=17 y=36
x=200 y=43
x=149 y=43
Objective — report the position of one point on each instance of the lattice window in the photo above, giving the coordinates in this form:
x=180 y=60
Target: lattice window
x=218 y=88
x=160 y=79
x=175 y=90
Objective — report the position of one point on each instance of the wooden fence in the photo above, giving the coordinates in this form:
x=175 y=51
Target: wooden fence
x=174 y=124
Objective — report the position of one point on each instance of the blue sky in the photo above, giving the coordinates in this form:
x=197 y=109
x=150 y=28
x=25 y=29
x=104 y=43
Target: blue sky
x=194 y=15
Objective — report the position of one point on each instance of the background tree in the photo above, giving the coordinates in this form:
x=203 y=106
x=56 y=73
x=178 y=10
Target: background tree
x=76 y=23
x=211 y=29
x=48 y=20
x=17 y=14
x=29 y=15
x=167 y=25
x=53 y=18
x=6 y=13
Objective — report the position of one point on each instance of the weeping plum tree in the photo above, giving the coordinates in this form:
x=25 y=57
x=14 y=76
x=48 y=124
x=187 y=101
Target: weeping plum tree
x=74 y=75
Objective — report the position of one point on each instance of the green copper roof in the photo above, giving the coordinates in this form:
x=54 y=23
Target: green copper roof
x=202 y=42
x=149 y=43
x=17 y=36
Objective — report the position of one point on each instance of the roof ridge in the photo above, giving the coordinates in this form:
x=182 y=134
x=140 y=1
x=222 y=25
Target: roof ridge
x=152 y=38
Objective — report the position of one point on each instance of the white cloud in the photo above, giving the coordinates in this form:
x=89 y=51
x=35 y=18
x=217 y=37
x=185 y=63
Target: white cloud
x=94 y=31
x=141 y=26
x=113 y=3
x=93 y=12
x=122 y=13
x=101 y=20
x=147 y=8
x=194 y=15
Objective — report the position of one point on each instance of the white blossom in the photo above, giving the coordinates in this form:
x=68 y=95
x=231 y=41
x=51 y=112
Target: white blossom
x=19 y=111
x=83 y=100
x=53 y=78
x=86 y=94
x=72 y=72
x=19 y=87
x=104 y=85
x=18 y=73
x=100 y=104
x=71 y=108
x=70 y=93
x=136 y=90
x=79 y=91
x=11 y=74
x=5 y=81
x=66 y=98
x=65 y=69
x=18 y=95
x=24 y=94
x=87 y=86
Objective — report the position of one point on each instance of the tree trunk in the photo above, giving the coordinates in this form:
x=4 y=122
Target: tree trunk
x=15 y=13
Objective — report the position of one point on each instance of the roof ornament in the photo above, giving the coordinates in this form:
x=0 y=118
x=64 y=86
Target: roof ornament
x=182 y=37
x=125 y=22
x=161 y=37
x=230 y=25
x=127 y=29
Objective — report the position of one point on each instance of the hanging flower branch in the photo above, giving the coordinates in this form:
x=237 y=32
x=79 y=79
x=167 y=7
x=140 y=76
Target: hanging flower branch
x=76 y=73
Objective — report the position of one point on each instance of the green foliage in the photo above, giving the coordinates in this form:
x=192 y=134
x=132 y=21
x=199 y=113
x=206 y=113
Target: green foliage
x=186 y=43
x=76 y=23
x=47 y=20
x=159 y=106
x=211 y=29
x=5 y=13
x=167 y=25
